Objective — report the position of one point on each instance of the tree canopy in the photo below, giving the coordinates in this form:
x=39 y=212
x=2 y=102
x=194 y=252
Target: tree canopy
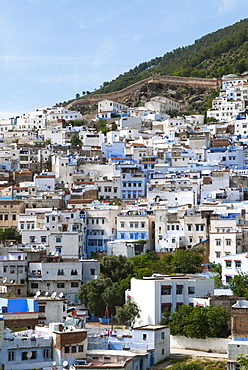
x=116 y=267
x=128 y=312
x=200 y=322
x=99 y=294
x=239 y=285
x=187 y=261
x=10 y=234
x=75 y=140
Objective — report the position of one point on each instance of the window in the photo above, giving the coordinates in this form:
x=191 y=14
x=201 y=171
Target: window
x=60 y=272
x=142 y=224
x=144 y=336
x=25 y=356
x=73 y=349
x=217 y=254
x=165 y=290
x=6 y=217
x=179 y=289
x=162 y=335
x=92 y=271
x=162 y=351
x=60 y=285
x=43 y=239
x=42 y=308
x=228 y=241
x=228 y=264
x=122 y=224
x=74 y=272
x=11 y=356
x=217 y=242
x=191 y=290
x=136 y=225
x=34 y=285
x=67 y=349
x=80 y=348
x=14 y=217
x=228 y=279
x=58 y=240
x=46 y=353
x=237 y=264
x=189 y=227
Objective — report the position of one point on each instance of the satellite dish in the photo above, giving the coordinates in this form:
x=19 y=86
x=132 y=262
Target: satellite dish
x=54 y=363
x=65 y=363
x=5 y=280
x=46 y=294
x=61 y=295
x=38 y=293
x=29 y=354
x=53 y=295
x=11 y=281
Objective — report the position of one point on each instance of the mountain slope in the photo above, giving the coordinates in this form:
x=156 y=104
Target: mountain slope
x=222 y=52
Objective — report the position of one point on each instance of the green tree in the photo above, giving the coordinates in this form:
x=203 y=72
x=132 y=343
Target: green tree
x=116 y=267
x=187 y=261
x=48 y=141
x=217 y=318
x=75 y=141
x=243 y=361
x=10 y=234
x=99 y=294
x=239 y=285
x=217 y=269
x=77 y=96
x=101 y=125
x=128 y=312
x=113 y=296
x=199 y=322
x=76 y=122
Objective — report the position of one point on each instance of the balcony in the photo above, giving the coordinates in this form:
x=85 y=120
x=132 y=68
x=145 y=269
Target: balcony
x=35 y=274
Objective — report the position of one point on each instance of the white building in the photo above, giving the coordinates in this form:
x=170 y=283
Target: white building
x=62 y=232
x=224 y=109
x=157 y=294
x=224 y=238
x=61 y=277
x=106 y=107
x=162 y=104
x=233 y=264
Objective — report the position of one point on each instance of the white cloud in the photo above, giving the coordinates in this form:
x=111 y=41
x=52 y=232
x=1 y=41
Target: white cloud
x=137 y=38
x=107 y=44
x=226 y=5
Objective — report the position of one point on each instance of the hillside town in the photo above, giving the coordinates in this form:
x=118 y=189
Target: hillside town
x=126 y=182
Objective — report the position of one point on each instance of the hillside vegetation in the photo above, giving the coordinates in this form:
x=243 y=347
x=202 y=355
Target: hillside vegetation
x=214 y=55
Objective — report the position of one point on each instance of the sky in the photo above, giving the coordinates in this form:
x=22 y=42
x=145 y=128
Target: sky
x=50 y=50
